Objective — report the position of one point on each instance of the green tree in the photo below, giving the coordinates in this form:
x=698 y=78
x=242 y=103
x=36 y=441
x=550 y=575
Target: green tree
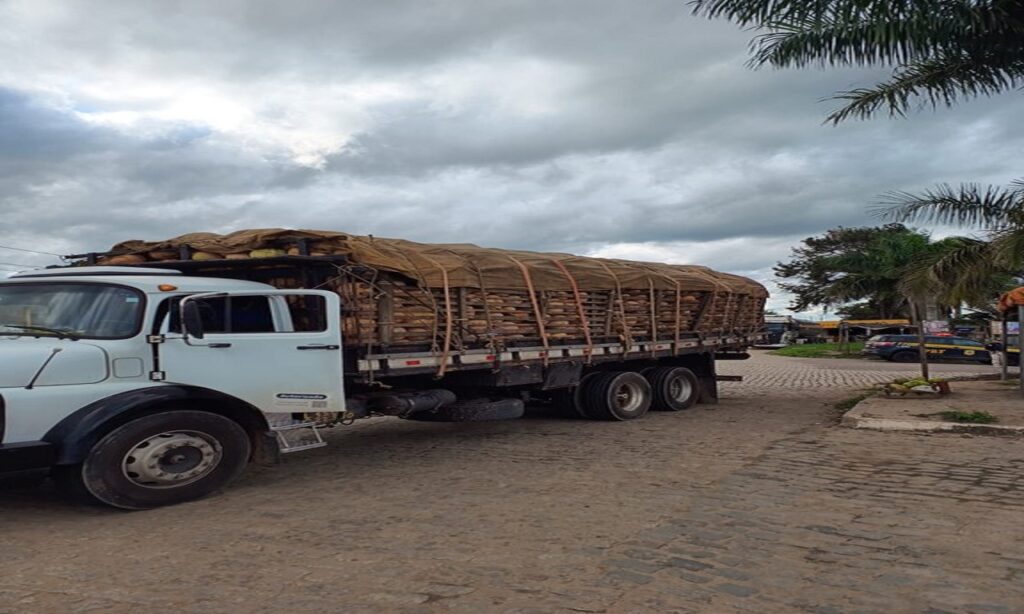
x=942 y=50
x=856 y=269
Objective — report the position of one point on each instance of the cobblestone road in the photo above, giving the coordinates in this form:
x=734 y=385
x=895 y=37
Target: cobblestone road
x=759 y=504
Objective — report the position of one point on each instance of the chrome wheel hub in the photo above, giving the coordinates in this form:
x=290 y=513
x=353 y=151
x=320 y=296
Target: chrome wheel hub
x=172 y=459
x=680 y=389
x=629 y=397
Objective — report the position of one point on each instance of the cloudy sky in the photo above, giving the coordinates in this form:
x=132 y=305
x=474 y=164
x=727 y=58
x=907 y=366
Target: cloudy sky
x=602 y=127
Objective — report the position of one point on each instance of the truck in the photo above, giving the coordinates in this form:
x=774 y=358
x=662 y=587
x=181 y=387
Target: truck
x=785 y=330
x=153 y=373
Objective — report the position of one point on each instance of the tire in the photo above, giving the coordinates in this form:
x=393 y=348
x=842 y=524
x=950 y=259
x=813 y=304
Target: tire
x=673 y=388
x=579 y=399
x=159 y=460
x=477 y=410
x=615 y=395
x=904 y=356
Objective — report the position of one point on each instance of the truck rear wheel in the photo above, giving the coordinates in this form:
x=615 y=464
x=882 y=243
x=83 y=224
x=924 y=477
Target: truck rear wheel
x=162 y=459
x=616 y=395
x=674 y=388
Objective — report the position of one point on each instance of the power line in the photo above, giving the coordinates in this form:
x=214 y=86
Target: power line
x=31 y=251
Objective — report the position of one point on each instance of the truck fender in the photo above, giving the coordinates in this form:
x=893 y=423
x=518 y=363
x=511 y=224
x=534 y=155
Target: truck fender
x=76 y=434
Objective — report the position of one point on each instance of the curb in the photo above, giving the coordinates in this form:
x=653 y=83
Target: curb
x=886 y=424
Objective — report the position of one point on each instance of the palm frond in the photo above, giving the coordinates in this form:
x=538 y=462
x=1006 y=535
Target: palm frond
x=933 y=82
x=1008 y=249
x=839 y=41
x=969 y=204
x=956 y=270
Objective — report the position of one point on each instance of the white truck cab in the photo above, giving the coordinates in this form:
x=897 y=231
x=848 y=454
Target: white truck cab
x=142 y=387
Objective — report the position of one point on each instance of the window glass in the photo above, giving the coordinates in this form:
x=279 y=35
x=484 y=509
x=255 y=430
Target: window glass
x=308 y=312
x=229 y=314
x=82 y=310
x=968 y=343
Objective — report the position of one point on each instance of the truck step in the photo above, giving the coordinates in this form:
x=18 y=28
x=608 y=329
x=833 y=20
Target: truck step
x=298 y=437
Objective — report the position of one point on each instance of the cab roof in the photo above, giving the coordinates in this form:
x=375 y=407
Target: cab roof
x=146 y=280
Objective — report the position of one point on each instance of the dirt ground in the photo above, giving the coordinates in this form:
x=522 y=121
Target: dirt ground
x=759 y=504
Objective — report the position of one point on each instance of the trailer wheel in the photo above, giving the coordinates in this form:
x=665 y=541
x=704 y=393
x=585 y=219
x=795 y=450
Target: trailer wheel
x=162 y=459
x=616 y=395
x=674 y=388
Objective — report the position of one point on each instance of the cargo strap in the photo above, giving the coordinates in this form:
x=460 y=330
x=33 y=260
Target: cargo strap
x=627 y=336
x=579 y=308
x=448 y=323
x=536 y=308
x=654 y=318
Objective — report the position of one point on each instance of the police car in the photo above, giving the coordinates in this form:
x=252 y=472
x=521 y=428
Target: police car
x=904 y=348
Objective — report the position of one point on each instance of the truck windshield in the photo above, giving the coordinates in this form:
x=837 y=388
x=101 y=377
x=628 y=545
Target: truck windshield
x=75 y=310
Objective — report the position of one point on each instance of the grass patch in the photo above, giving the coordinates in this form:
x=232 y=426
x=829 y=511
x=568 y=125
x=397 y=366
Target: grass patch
x=969 y=417
x=850 y=403
x=820 y=350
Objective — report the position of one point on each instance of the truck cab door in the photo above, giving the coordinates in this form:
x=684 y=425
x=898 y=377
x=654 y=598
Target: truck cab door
x=279 y=350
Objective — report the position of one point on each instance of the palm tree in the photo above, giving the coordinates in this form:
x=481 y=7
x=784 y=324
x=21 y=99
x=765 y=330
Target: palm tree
x=961 y=269
x=942 y=50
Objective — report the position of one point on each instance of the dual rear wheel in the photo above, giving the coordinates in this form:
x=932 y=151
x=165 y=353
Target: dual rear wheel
x=627 y=395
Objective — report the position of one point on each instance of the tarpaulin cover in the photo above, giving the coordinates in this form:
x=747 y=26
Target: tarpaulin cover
x=464 y=264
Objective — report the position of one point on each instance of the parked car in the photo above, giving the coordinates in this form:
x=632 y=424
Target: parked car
x=904 y=348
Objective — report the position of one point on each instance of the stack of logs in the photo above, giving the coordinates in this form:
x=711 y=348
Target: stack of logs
x=395 y=310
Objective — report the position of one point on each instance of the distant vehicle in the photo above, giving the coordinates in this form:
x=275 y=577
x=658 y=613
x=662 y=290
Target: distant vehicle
x=865 y=329
x=785 y=330
x=904 y=348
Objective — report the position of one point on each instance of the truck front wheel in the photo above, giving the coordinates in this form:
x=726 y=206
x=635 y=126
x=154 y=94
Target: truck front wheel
x=161 y=459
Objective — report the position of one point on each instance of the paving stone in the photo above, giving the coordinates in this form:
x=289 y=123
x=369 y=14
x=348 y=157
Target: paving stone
x=687 y=564
x=690 y=576
x=731 y=574
x=634 y=565
x=736 y=589
x=622 y=575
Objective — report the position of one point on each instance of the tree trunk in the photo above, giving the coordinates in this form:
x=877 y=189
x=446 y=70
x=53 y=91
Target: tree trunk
x=915 y=313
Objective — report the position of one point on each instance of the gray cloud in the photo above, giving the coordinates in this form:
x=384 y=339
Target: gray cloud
x=581 y=126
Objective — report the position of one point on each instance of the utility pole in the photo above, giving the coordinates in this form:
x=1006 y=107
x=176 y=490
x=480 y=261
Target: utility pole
x=1004 y=375
x=1020 y=347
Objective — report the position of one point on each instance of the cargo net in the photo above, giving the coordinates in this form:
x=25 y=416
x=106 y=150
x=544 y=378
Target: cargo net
x=460 y=296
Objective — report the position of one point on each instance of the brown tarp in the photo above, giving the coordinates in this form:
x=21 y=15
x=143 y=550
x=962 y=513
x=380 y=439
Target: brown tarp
x=462 y=264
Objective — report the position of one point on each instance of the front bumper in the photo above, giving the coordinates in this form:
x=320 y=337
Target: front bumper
x=26 y=455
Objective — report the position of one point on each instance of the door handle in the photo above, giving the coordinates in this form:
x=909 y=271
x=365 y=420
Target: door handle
x=217 y=346
x=319 y=347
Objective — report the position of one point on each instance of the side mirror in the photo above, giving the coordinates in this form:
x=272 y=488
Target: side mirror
x=191 y=319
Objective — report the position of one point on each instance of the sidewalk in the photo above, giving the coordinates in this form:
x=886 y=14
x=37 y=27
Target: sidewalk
x=923 y=412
